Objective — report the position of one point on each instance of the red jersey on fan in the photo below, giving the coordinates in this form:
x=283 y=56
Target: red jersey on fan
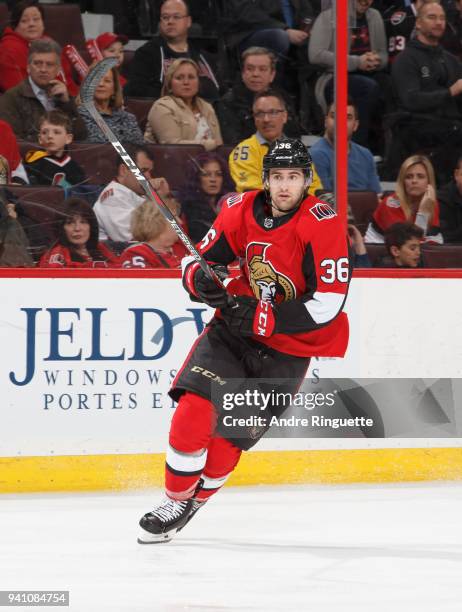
x=389 y=211
x=294 y=257
x=143 y=255
x=59 y=256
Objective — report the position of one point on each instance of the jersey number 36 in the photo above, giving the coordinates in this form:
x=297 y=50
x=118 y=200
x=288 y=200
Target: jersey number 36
x=335 y=270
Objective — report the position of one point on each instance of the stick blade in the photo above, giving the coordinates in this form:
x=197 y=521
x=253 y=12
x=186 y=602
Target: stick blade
x=94 y=76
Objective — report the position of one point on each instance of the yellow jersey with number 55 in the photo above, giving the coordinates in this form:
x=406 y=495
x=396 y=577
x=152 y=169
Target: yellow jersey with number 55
x=246 y=165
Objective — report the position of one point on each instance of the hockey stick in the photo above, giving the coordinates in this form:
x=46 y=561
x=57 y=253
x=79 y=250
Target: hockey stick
x=87 y=91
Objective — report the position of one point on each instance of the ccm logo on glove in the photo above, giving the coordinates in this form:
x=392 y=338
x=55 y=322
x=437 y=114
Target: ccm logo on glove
x=264 y=321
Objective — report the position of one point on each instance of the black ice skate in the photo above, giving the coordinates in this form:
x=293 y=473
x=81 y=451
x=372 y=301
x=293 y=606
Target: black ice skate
x=166 y=520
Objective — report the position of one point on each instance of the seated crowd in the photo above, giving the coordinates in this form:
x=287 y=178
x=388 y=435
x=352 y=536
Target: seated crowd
x=270 y=77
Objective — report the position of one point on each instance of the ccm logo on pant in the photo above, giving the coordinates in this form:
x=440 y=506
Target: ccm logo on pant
x=208 y=374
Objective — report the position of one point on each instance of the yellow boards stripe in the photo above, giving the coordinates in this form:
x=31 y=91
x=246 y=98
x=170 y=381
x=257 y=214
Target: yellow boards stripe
x=123 y=472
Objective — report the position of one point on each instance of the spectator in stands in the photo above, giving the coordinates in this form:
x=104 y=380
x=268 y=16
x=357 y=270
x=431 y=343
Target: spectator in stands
x=121 y=196
x=362 y=173
x=54 y=165
x=158 y=244
x=112 y=45
x=414 y=201
x=234 y=109
x=367 y=60
x=207 y=181
x=428 y=82
x=399 y=18
x=450 y=199
x=23 y=105
x=403 y=242
x=77 y=243
x=9 y=150
x=181 y=116
x=27 y=25
x=109 y=102
x=246 y=159
x=273 y=24
x=151 y=61
x=13 y=241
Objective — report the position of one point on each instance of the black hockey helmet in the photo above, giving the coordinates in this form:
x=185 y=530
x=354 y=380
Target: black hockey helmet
x=287 y=153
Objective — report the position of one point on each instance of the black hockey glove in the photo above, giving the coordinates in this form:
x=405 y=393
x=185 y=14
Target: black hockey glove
x=202 y=288
x=250 y=317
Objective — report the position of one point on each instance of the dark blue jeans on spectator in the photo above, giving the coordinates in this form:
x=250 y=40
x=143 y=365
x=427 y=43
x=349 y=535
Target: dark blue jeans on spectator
x=275 y=39
x=365 y=92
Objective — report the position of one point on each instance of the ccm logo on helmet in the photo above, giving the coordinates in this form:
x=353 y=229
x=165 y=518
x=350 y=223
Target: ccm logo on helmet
x=322 y=211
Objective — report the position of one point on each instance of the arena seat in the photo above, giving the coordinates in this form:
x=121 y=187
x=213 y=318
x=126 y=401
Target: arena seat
x=140 y=107
x=224 y=150
x=64 y=24
x=97 y=160
x=442 y=256
x=376 y=252
x=129 y=54
x=363 y=204
x=4 y=16
x=39 y=209
x=170 y=161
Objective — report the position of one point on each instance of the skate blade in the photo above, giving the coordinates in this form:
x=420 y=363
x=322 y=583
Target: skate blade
x=145 y=537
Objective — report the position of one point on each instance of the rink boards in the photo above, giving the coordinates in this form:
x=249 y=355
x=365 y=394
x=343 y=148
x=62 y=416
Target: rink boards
x=86 y=364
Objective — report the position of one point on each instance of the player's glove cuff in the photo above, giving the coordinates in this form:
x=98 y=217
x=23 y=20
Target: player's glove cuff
x=201 y=287
x=250 y=317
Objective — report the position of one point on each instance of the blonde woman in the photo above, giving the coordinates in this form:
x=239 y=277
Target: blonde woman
x=414 y=201
x=109 y=102
x=158 y=245
x=181 y=116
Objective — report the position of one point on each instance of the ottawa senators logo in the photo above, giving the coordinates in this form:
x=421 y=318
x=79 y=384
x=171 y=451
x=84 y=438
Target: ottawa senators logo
x=267 y=283
x=322 y=211
x=397 y=17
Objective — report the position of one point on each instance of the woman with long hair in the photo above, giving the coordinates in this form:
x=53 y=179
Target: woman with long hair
x=158 y=244
x=414 y=201
x=77 y=244
x=181 y=116
x=207 y=181
x=26 y=25
x=109 y=102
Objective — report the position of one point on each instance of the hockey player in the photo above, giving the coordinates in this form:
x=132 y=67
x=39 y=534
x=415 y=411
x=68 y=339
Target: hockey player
x=287 y=307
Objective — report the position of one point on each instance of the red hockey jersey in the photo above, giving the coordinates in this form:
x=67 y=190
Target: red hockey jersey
x=59 y=256
x=300 y=259
x=389 y=211
x=142 y=255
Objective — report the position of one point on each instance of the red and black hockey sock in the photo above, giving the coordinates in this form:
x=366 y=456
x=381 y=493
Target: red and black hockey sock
x=190 y=434
x=193 y=453
x=222 y=458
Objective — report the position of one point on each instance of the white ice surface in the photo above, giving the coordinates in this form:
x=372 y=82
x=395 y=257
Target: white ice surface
x=334 y=548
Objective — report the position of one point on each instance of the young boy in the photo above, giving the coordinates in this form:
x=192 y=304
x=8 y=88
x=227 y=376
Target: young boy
x=403 y=242
x=112 y=45
x=54 y=166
